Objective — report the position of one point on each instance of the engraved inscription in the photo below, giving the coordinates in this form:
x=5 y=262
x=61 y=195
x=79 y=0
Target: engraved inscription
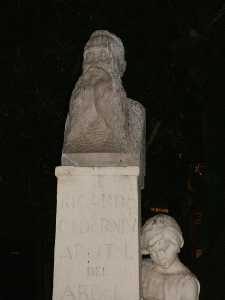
x=98 y=271
x=97 y=234
x=90 y=292
x=100 y=225
x=99 y=200
x=104 y=251
x=68 y=294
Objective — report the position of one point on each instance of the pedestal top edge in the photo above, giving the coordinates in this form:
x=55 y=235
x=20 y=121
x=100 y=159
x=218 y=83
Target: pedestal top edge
x=62 y=171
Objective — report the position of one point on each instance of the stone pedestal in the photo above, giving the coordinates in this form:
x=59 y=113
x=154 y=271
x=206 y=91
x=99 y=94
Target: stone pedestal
x=97 y=226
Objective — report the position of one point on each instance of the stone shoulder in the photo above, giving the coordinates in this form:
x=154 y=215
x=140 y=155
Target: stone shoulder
x=190 y=282
x=136 y=106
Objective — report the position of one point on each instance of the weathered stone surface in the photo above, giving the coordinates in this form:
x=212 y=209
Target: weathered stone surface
x=164 y=277
x=97 y=228
x=101 y=118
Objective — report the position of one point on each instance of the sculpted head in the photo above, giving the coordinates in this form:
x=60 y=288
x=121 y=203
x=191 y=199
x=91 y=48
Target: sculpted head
x=104 y=50
x=162 y=239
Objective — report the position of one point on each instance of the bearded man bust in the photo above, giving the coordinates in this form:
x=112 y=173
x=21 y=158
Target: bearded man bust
x=101 y=118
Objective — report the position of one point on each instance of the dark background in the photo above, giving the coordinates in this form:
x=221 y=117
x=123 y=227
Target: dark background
x=176 y=69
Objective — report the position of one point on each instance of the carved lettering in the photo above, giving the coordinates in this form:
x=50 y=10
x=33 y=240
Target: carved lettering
x=96 y=200
x=75 y=251
x=100 y=225
x=101 y=251
x=67 y=254
x=68 y=294
x=98 y=271
x=83 y=292
x=108 y=250
x=90 y=292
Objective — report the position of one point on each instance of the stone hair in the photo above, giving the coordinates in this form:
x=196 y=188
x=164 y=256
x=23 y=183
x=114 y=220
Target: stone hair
x=159 y=224
x=116 y=45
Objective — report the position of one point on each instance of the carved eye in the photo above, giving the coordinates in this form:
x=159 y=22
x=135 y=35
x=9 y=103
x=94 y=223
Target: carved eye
x=88 y=56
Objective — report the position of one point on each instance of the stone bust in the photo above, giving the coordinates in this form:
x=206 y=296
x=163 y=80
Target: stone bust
x=101 y=118
x=164 y=277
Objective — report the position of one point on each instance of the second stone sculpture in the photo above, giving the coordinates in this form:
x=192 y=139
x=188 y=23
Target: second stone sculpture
x=164 y=277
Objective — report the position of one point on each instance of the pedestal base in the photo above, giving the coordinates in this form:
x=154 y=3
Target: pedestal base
x=97 y=228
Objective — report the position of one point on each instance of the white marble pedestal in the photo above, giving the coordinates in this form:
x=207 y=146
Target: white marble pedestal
x=97 y=228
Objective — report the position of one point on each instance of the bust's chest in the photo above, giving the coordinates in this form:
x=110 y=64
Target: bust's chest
x=161 y=286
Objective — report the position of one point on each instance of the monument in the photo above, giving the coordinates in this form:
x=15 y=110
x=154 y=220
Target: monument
x=99 y=182
x=164 y=277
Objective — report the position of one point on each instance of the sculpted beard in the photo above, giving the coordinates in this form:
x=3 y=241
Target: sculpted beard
x=99 y=93
x=99 y=75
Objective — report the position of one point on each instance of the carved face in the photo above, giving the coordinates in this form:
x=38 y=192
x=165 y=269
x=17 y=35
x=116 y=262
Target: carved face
x=98 y=55
x=163 y=250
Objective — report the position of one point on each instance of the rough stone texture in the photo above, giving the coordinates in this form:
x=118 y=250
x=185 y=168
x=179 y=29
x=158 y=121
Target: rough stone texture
x=164 y=277
x=97 y=226
x=101 y=118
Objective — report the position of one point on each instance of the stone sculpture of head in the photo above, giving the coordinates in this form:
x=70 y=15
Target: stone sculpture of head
x=105 y=50
x=162 y=239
